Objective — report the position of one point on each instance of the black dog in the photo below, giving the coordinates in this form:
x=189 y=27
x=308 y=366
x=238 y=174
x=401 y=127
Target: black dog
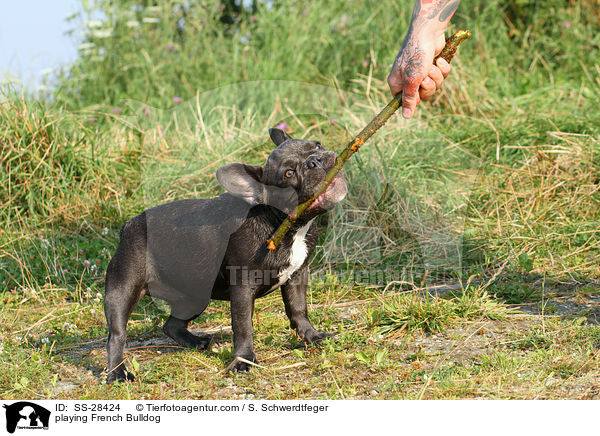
x=189 y=251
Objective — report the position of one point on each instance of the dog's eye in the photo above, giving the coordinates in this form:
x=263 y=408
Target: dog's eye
x=289 y=173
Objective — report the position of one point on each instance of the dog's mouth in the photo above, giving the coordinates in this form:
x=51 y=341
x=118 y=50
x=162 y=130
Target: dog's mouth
x=335 y=193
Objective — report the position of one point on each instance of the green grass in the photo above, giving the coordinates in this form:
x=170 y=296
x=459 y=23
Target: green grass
x=492 y=190
x=516 y=356
x=433 y=314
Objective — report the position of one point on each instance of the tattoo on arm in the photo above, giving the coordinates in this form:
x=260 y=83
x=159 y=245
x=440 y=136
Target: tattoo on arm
x=449 y=11
x=430 y=9
x=433 y=14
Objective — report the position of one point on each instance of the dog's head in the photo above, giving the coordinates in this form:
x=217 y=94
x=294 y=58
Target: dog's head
x=292 y=174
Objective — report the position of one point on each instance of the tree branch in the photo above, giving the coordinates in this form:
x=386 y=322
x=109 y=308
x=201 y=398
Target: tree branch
x=447 y=53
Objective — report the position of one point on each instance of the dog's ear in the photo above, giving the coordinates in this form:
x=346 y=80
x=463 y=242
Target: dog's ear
x=244 y=181
x=278 y=135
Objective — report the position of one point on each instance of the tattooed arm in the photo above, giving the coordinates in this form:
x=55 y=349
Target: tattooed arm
x=413 y=72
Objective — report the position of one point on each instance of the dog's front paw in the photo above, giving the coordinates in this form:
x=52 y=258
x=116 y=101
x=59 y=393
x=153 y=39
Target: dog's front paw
x=200 y=342
x=240 y=363
x=315 y=336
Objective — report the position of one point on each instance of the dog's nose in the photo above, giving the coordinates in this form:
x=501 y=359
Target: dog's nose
x=313 y=162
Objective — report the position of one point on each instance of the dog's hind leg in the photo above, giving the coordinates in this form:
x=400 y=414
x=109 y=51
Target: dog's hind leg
x=176 y=329
x=125 y=284
x=121 y=297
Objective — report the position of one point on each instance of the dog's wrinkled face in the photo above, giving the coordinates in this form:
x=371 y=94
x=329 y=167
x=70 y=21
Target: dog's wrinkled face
x=302 y=165
x=292 y=174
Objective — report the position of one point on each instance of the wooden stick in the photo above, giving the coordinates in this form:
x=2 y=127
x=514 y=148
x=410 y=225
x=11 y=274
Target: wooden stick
x=447 y=53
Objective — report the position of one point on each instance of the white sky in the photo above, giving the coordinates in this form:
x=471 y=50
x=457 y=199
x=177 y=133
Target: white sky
x=33 y=39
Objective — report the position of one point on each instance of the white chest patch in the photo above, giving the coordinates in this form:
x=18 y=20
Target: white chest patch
x=298 y=254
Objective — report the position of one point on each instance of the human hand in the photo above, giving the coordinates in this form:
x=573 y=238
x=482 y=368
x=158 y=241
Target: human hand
x=413 y=72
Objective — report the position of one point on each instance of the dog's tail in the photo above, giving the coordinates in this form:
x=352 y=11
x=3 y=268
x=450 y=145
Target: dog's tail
x=123 y=229
x=136 y=225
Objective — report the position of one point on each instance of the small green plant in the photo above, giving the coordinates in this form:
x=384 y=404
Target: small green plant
x=534 y=341
x=514 y=292
x=377 y=358
x=413 y=312
x=434 y=314
x=525 y=262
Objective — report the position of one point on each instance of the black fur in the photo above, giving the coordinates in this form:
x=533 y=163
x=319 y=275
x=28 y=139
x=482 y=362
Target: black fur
x=190 y=251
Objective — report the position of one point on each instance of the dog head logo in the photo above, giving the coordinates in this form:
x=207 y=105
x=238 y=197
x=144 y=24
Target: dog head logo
x=26 y=415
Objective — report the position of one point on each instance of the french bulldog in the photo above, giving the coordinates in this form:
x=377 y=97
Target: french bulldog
x=188 y=252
